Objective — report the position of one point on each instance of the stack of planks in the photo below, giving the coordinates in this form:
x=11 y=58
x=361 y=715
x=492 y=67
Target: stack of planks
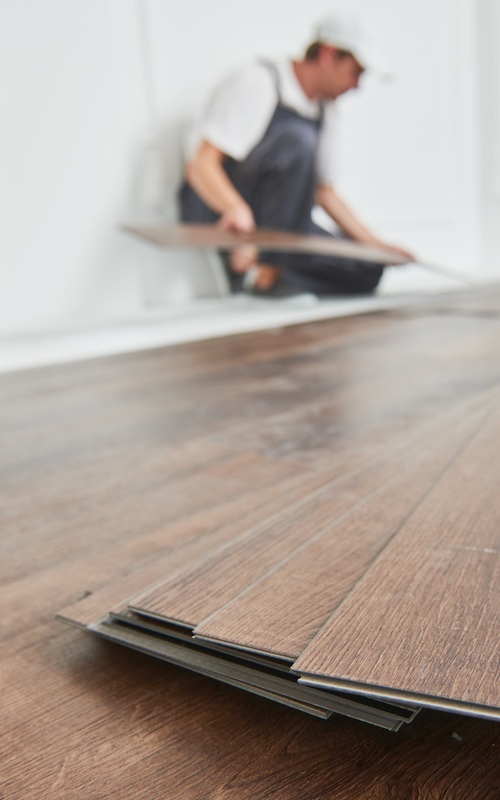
x=119 y=472
x=362 y=592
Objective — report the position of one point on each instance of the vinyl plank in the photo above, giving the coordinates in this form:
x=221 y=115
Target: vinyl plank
x=153 y=501
x=377 y=386
x=145 y=559
x=405 y=711
x=118 y=724
x=211 y=666
x=282 y=611
x=209 y=236
x=424 y=619
x=206 y=584
x=278 y=686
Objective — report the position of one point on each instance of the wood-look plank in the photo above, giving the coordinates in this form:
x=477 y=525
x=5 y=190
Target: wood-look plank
x=425 y=619
x=205 y=585
x=115 y=723
x=397 y=499
x=281 y=612
x=357 y=393
x=130 y=726
x=209 y=236
x=214 y=666
x=159 y=502
x=276 y=684
x=174 y=547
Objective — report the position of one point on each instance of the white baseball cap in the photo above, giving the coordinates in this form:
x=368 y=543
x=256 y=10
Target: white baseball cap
x=351 y=33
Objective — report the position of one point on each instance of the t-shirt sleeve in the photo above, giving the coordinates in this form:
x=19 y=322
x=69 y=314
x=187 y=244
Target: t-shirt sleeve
x=239 y=111
x=327 y=157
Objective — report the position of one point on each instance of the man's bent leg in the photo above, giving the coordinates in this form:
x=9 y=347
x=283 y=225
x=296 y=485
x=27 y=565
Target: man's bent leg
x=193 y=209
x=277 y=179
x=329 y=275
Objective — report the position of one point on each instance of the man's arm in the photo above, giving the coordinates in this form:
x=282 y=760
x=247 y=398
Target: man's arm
x=234 y=121
x=339 y=211
x=206 y=174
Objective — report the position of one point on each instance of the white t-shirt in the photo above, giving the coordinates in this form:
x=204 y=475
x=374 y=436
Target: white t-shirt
x=240 y=110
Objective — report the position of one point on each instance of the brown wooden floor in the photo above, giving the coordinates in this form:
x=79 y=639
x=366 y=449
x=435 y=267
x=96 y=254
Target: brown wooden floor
x=114 y=463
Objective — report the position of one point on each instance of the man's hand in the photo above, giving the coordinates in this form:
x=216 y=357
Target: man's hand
x=348 y=221
x=239 y=219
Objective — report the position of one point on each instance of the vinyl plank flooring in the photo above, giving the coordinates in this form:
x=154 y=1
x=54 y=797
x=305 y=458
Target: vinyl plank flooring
x=142 y=561
x=281 y=612
x=80 y=716
x=131 y=726
x=153 y=502
x=276 y=684
x=317 y=565
x=214 y=666
x=360 y=392
x=208 y=236
x=208 y=583
x=432 y=596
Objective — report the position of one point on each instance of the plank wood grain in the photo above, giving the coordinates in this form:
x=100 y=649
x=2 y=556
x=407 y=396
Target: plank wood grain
x=432 y=596
x=174 y=547
x=127 y=726
x=209 y=236
x=85 y=466
x=282 y=612
x=349 y=397
x=208 y=583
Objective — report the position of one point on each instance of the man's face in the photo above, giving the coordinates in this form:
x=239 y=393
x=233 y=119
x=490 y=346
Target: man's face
x=340 y=72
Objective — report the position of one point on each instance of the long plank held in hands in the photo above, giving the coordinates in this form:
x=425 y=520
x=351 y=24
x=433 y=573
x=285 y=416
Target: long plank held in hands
x=210 y=236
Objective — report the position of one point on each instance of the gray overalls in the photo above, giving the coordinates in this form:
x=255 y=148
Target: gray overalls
x=278 y=180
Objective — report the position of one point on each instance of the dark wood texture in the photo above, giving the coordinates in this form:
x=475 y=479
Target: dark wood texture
x=176 y=545
x=433 y=596
x=109 y=463
x=206 y=584
x=212 y=237
x=281 y=612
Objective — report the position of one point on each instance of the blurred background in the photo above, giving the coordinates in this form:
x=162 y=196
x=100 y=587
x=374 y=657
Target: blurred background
x=98 y=93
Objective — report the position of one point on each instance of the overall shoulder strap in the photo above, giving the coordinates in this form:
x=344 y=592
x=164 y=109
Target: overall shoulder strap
x=274 y=73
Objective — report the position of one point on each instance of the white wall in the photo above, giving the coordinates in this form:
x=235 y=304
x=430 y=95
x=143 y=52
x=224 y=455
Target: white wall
x=488 y=37
x=67 y=132
x=410 y=149
x=98 y=91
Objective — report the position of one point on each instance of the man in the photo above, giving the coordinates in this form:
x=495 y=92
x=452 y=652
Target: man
x=263 y=157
